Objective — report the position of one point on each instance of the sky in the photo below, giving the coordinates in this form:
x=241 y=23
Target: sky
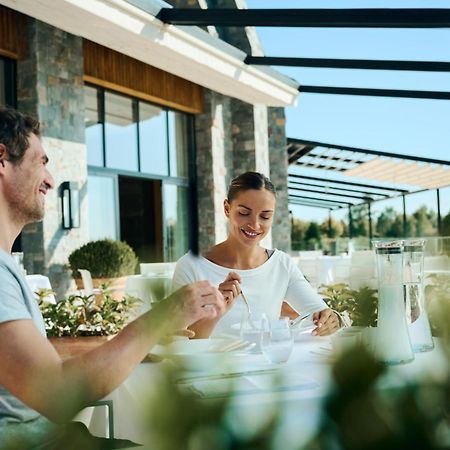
x=405 y=126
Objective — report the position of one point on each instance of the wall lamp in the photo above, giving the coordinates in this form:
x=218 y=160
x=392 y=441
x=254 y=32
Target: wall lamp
x=70 y=205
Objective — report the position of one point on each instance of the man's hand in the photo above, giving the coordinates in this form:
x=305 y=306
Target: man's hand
x=191 y=303
x=326 y=322
x=230 y=289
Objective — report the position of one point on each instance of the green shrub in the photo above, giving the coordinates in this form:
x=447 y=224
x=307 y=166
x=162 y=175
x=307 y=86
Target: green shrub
x=80 y=315
x=105 y=258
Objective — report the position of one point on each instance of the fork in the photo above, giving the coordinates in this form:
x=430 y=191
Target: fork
x=249 y=312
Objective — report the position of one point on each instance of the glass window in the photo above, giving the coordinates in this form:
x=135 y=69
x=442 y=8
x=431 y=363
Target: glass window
x=93 y=127
x=120 y=132
x=176 y=220
x=178 y=143
x=102 y=207
x=153 y=139
x=2 y=82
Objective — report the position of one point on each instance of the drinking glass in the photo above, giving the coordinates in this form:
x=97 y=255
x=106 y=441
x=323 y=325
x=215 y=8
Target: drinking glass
x=277 y=339
x=251 y=329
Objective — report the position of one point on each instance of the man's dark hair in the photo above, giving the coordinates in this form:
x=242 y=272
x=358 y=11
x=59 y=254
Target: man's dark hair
x=15 y=130
x=247 y=181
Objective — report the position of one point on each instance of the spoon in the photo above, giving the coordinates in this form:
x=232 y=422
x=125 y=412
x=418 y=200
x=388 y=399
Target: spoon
x=249 y=312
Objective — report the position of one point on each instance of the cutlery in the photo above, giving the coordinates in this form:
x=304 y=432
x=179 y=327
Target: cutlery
x=298 y=320
x=236 y=345
x=222 y=376
x=249 y=313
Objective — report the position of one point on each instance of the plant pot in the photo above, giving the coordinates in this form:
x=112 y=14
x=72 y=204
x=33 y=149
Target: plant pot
x=69 y=346
x=115 y=285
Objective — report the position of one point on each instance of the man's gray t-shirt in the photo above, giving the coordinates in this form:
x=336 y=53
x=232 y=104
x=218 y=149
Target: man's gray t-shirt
x=16 y=302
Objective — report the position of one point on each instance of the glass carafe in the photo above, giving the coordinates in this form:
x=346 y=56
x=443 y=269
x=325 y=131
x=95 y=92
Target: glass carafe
x=393 y=341
x=419 y=326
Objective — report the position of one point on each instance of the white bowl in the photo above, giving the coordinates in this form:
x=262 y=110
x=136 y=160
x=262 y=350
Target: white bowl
x=194 y=354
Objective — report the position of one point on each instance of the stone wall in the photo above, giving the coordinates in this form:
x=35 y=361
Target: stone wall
x=50 y=87
x=234 y=137
x=281 y=228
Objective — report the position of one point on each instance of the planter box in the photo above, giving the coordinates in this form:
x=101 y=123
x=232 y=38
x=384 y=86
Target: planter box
x=116 y=285
x=69 y=346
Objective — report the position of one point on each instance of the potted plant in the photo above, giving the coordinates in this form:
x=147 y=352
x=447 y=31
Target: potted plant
x=79 y=323
x=108 y=261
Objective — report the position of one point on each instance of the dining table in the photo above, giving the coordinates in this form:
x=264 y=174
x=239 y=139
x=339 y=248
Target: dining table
x=306 y=380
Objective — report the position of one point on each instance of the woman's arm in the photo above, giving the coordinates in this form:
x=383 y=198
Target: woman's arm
x=302 y=297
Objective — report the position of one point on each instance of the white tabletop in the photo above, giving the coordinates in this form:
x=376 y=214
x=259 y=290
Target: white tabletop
x=308 y=376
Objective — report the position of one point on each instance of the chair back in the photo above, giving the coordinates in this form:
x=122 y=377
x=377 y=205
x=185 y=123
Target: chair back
x=161 y=268
x=88 y=285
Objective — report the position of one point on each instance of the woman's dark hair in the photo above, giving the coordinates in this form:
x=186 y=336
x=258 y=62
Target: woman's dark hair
x=15 y=129
x=247 y=181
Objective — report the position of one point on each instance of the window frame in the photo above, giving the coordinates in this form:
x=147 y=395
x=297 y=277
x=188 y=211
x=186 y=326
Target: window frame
x=188 y=182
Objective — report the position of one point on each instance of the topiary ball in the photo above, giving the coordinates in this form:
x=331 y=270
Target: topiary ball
x=104 y=258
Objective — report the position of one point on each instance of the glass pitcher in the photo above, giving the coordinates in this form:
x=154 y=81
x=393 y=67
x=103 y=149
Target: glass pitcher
x=394 y=345
x=413 y=279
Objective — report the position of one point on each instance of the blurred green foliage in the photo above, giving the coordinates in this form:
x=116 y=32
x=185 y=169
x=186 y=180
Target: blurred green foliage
x=360 y=305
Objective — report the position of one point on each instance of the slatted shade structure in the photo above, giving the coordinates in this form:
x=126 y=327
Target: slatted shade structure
x=385 y=175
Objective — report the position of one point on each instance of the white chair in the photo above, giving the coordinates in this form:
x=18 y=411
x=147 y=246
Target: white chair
x=363 y=269
x=310 y=254
x=436 y=263
x=88 y=285
x=161 y=268
x=36 y=282
x=341 y=270
x=310 y=270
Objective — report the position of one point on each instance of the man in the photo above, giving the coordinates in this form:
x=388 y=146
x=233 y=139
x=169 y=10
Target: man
x=37 y=388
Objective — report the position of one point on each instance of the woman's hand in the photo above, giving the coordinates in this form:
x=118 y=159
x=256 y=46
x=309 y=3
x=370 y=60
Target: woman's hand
x=230 y=289
x=326 y=322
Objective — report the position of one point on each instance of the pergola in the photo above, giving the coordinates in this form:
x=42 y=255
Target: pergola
x=391 y=174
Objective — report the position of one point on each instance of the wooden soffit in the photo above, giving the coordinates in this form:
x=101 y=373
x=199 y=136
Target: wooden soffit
x=12 y=33
x=113 y=70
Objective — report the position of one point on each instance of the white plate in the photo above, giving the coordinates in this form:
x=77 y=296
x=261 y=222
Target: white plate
x=197 y=354
x=189 y=347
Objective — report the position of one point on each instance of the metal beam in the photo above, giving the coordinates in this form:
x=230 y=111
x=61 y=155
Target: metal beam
x=349 y=183
x=312 y=205
x=321 y=199
x=369 y=152
x=366 y=64
x=397 y=93
x=323 y=186
x=359 y=197
x=339 y=18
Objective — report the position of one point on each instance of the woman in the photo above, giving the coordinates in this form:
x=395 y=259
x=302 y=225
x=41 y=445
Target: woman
x=266 y=277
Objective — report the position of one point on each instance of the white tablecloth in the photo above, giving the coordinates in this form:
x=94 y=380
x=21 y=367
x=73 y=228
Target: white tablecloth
x=301 y=401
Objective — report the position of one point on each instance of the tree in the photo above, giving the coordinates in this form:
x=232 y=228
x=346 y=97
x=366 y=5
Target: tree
x=446 y=225
x=336 y=230
x=425 y=222
x=385 y=221
x=313 y=234
x=298 y=231
x=360 y=221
